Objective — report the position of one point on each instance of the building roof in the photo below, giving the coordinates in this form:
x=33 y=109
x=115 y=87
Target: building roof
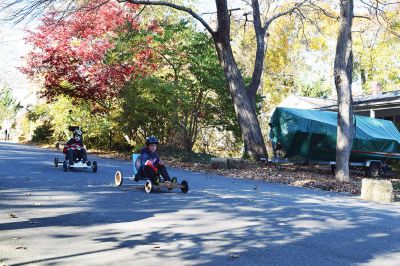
x=385 y=100
x=301 y=102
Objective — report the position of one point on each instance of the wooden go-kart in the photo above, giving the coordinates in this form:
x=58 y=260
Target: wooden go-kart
x=149 y=186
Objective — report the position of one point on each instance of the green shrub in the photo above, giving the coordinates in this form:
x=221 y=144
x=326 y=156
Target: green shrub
x=43 y=133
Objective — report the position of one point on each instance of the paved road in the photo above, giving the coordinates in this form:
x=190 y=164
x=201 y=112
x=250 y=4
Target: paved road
x=80 y=218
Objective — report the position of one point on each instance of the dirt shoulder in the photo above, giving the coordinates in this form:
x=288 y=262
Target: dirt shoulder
x=314 y=176
x=310 y=176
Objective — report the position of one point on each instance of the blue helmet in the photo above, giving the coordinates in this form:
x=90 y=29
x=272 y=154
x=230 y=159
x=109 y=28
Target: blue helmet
x=151 y=140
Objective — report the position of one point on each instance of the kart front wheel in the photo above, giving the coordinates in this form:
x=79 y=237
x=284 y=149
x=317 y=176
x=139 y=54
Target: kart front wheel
x=184 y=186
x=148 y=187
x=56 y=161
x=65 y=166
x=118 y=178
x=94 y=166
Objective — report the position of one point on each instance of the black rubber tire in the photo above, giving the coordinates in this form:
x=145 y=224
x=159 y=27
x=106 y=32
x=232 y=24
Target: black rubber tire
x=118 y=178
x=185 y=186
x=148 y=187
x=333 y=169
x=56 y=161
x=65 y=166
x=94 y=166
x=374 y=170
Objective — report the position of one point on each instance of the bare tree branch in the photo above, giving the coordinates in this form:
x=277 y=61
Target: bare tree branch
x=378 y=11
x=324 y=11
x=284 y=13
x=23 y=10
x=175 y=6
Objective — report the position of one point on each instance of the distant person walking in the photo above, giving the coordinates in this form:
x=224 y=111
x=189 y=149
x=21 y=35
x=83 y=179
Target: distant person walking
x=5 y=134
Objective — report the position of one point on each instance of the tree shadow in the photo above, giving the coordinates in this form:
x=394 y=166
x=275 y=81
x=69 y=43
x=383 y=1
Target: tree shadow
x=220 y=221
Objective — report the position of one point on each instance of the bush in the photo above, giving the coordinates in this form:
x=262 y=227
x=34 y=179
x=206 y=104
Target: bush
x=43 y=133
x=189 y=157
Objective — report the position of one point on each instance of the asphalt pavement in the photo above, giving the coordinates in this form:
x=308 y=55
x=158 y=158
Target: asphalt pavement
x=51 y=217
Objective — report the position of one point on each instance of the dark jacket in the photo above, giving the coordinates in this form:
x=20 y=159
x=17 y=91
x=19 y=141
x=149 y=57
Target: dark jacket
x=146 y=154
x=72 y=144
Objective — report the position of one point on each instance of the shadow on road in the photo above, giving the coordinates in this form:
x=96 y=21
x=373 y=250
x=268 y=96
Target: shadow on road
x=220 y=221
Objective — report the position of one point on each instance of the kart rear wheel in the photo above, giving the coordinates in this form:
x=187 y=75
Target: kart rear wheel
x=56 y=161
x=65 y=166
x=94 y=166
x=118 y=178
x=148 y=187
x=184 y=186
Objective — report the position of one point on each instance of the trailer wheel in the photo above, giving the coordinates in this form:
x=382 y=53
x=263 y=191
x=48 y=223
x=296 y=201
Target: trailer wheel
x=333 y=169
x=374 y=169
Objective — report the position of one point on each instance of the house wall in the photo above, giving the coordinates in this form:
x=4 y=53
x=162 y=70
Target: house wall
x=392 y=114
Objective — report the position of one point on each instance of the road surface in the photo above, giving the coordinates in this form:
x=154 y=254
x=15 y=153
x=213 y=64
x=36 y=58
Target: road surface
x=51 y=217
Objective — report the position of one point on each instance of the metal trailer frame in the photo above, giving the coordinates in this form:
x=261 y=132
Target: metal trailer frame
x=372 y=168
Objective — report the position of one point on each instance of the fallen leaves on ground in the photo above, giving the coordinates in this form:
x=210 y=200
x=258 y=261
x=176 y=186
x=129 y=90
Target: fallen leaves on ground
x=311 y=176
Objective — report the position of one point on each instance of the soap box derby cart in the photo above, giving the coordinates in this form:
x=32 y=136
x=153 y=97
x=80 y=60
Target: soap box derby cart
x=149 y=186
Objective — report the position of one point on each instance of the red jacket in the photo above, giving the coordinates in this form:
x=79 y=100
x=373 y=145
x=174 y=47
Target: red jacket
x=72 y=144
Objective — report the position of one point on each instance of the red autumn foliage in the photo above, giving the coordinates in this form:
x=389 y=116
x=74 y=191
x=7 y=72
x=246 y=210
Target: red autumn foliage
x=69 y=55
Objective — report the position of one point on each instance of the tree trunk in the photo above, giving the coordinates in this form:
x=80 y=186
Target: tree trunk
x=245 y=112
x=343 y=71
x=260 y=53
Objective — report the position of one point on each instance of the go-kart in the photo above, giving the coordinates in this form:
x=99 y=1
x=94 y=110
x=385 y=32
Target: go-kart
x=149 y=185
x=78 y=164
x=77 y=156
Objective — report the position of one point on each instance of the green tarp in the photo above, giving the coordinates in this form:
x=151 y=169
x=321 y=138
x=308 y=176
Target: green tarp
x=311 y=134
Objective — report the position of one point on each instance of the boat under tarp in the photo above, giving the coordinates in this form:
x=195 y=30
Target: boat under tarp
x=311 y=134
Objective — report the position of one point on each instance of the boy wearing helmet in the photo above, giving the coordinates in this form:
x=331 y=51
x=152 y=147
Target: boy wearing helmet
x=74 y=148
x=151 y=164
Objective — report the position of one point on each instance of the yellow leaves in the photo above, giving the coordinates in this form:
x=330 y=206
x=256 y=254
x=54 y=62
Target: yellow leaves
x=75 y=42
x=65 y=84
x=318 y=43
